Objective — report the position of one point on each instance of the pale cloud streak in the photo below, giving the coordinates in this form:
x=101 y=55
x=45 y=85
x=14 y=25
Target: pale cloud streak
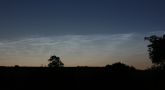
x=74 y=50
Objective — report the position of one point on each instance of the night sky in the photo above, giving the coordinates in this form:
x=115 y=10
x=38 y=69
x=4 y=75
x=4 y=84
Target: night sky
x=81 y=32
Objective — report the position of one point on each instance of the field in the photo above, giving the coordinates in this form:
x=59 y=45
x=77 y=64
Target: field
x=79 y=78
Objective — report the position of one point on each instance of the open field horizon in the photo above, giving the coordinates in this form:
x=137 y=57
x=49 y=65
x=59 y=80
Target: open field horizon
x=79 y=77
x=82 y=44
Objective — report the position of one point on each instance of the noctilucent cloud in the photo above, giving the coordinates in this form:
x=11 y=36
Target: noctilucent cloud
x=81 y=32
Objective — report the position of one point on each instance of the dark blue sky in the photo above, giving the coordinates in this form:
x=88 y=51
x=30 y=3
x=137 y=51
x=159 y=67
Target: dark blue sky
x=81 y=32
x=23 y=18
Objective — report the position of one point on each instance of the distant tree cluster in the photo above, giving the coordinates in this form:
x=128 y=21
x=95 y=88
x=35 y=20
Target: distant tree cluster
x=156 y=49
x=55 y=61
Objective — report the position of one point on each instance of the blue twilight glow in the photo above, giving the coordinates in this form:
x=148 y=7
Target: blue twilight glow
x=82 y=32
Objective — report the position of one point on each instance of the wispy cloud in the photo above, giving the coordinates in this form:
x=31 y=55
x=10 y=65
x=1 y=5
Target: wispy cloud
x=92 y=50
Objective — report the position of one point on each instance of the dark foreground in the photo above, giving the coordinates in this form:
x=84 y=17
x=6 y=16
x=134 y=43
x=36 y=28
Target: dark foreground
x=79 y=78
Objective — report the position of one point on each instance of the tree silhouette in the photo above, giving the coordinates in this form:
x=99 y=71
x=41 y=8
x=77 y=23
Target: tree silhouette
x=156 y=49
x=55 y=62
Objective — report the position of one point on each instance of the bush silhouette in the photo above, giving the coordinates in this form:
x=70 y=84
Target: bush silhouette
x=16 y=66
x=120 y=67
x=55 y=62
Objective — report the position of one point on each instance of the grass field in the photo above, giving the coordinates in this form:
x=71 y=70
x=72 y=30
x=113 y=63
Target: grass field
x=79 y=78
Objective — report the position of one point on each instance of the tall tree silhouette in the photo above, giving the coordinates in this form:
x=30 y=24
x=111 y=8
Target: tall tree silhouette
x=55 y=62
x=156 y=49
